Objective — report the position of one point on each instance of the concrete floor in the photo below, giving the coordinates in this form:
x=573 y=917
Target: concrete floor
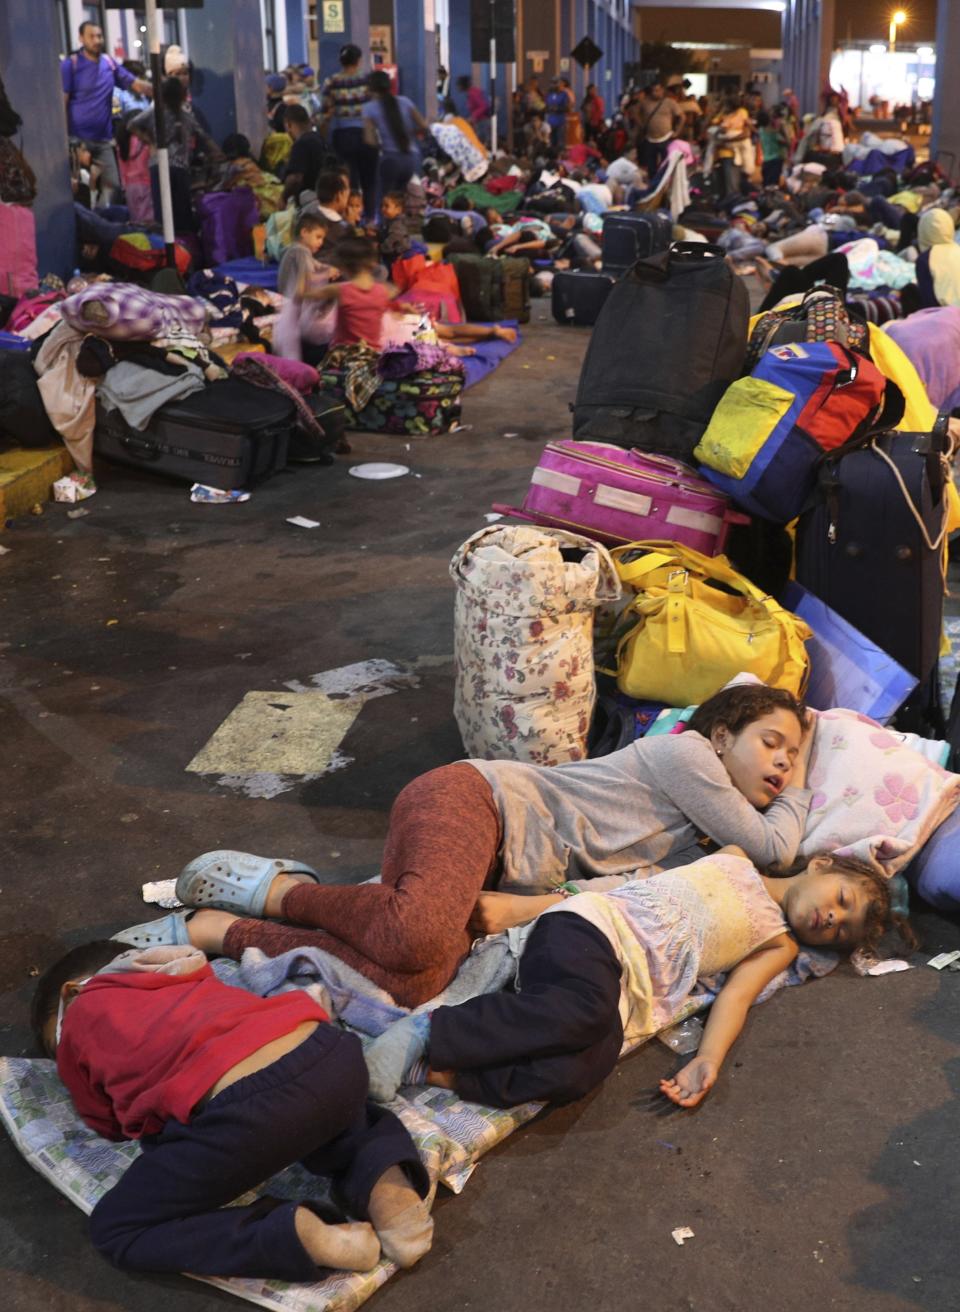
x=821 y=1172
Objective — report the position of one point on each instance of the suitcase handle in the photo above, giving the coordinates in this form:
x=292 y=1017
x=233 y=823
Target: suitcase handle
x=139 y=448
x=657 y=267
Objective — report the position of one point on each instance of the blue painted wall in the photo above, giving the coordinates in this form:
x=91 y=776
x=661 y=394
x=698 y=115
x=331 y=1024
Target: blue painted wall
x=416 y=56
x=946 y=103
x=296 y=32
x=356 y=32
x=226 y=48
x=31 y=75
x=461 y=64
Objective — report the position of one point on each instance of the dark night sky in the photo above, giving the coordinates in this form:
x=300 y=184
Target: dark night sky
x=862 y=20
x=870 y=18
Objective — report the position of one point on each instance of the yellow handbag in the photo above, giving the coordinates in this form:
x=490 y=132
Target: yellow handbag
x=691 y=637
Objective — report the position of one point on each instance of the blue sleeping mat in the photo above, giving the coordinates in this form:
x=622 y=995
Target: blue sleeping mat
x=251 y=271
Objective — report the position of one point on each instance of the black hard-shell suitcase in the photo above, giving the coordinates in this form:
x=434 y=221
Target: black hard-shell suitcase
x=668 y=343
x=861 y=550
x=629 y=237
x=577 y=295
x=230 y=435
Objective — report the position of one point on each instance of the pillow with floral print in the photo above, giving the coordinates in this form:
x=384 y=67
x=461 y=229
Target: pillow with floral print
x=874 y=796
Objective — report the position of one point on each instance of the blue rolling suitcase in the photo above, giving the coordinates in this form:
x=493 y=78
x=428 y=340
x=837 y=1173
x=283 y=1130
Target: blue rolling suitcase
x=577 y=295
x=630 y=237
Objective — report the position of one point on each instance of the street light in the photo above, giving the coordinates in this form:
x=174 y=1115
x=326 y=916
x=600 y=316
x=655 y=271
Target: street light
x=897 y=19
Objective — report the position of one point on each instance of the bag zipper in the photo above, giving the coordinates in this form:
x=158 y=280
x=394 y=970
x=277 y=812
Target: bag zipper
x=676 y=481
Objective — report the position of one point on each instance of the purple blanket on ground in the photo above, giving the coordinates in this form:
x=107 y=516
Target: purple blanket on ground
x=488 y=356
x=931 y=338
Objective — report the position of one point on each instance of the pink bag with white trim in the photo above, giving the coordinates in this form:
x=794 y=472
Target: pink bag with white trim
x=616 y=496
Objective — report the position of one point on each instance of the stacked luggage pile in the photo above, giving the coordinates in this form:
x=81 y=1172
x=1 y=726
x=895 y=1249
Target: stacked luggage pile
x=777 y=441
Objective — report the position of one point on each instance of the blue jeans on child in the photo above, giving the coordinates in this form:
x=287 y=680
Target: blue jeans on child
x=168 y=1212
x=554 y=1039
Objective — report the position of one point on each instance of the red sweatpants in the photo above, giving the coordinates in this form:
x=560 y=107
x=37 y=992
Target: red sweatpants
x=408 y=934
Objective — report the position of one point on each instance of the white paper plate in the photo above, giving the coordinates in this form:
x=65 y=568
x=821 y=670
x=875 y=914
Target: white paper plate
x=378 y=469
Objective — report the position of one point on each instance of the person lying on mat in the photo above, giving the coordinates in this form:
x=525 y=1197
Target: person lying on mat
x=611 y=969
x=737 y=775
x=224 y=1089
x=524 y=237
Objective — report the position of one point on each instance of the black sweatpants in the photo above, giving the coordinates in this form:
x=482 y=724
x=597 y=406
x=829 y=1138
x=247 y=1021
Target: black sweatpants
x=554 y=1039
x=168 y=1211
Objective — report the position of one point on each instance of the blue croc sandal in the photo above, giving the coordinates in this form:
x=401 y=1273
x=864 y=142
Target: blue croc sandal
x=234 y=881
x=167 y=932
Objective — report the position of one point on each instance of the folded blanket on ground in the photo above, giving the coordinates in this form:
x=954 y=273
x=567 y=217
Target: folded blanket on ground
x=138 y=392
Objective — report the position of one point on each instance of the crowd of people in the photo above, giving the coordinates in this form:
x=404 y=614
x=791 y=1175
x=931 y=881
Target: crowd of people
x=367 y=207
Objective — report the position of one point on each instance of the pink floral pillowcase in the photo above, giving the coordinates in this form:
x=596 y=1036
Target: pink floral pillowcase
x=873 y=796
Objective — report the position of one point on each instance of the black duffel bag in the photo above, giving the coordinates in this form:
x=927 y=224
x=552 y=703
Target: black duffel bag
x=670 y=339
x=23 y=419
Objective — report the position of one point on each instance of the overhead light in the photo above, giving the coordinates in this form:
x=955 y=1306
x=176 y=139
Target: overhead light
x=142 y=28
x=925 y=52
x=878 y=49
x=137 y=44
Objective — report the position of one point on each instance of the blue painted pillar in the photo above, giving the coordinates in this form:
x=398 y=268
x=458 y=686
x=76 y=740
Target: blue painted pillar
x=461 y=64
x=946 y=99
x=226 y=49
x=296 y=31
x=29 y=41
x=356 y=31
x=417 y=54
x=808 y=27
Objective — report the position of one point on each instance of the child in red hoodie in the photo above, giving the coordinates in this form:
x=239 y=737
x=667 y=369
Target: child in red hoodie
x=224 y=1089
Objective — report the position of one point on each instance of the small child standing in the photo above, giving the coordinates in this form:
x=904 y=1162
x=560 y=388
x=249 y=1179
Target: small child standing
x=774 y=146
x=304 y=325
x=223 y=1089
x=361 y=299
x=133 y=161
x=392 y=235
x=603 y=969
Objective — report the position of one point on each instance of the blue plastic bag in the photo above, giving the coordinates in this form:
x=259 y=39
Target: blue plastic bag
x=847 y=668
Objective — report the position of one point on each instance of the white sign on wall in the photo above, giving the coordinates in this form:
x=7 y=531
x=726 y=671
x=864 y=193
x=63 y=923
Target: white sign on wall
x=333 y=16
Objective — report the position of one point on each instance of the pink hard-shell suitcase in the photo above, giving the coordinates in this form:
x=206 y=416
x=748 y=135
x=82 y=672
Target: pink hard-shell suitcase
x=618 y=496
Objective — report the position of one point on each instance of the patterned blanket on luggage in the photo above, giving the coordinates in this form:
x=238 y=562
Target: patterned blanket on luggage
x=422 y=403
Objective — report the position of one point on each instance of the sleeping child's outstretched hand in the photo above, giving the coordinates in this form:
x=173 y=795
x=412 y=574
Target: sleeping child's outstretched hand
x=692 y=1082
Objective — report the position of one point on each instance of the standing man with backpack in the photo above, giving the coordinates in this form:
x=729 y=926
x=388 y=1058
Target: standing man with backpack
x=88 y=78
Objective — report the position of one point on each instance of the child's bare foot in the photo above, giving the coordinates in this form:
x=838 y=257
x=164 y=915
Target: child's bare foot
x=400 y=1218
x=462 y=350
x=350 y=1247
x=505 y=334
x=281 y=886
